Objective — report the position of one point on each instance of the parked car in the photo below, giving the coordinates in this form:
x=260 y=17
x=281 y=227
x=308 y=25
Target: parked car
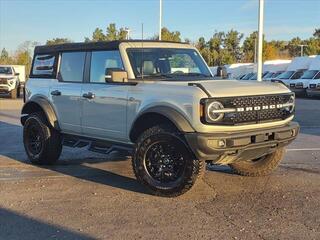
x=9 y=81
x=313 y=89
x=157 y=101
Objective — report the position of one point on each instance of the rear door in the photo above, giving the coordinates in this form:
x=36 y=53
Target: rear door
x=104 y=103
x=65 y=93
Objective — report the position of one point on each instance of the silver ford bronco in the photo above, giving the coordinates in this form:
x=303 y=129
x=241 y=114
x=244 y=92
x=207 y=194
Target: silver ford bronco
x=159 y=102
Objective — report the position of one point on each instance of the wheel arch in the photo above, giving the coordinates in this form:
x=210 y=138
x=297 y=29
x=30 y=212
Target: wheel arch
x=40 y=104
x=158 y=115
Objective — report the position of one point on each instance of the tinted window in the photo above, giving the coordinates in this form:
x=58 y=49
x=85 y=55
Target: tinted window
x=102 y=62
x=297 y=75
x=286 y=75
x=71 y=66
x=44 y=65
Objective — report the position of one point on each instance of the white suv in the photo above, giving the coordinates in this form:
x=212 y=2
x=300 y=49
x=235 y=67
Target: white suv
x=9 y=81
x=159 y=102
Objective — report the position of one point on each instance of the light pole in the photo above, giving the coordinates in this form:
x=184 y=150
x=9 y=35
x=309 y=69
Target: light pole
x=128 y=33
x=260 y=40
x=301 y=47
x=160 y=19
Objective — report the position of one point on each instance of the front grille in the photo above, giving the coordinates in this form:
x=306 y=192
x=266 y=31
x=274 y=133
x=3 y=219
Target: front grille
x=3 y=81
x=255 y=116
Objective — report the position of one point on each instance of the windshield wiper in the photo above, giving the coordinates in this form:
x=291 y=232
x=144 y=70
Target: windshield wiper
x=158 y=75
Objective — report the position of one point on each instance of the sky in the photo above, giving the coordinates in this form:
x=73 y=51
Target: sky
x=40 y=20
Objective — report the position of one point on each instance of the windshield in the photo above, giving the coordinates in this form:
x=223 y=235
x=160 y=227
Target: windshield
x=167 y=63
x=269 y=75
x=5 y=70
x=286 y=75
x=309 y=74
x=248 y=76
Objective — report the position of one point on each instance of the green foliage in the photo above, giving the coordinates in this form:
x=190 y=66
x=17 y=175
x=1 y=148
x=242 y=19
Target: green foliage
x=5 y=58
x=56 y=41
x=111 y=34
x=316 y=33
x=166 y=35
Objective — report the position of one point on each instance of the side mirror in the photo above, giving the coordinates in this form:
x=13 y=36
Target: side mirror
x=118 y=76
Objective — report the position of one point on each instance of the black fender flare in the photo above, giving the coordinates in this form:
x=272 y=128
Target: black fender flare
x=40 y=103
x=180 y=121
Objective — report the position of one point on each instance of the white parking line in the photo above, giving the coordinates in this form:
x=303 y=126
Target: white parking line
x=302 y=149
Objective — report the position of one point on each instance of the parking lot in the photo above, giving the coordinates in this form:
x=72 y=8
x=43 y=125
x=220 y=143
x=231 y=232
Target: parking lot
x=93 y=196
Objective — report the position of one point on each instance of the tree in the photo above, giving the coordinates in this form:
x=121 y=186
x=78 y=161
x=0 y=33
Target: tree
x=232 y=46
x=316 y=33
x=98 y=35
x=56 y=41
x=313 y=46
x=167 y=35
x=293 y=46
x=5 y=58
x=248 y=47
x=111 y=34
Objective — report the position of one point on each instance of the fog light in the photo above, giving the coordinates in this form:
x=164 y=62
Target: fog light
x=221 y=143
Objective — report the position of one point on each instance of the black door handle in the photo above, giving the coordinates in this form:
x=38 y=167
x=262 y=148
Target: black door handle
x=88 y=95
x=56 y=93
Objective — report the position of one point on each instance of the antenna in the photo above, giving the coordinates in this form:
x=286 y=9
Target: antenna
x=142 y=51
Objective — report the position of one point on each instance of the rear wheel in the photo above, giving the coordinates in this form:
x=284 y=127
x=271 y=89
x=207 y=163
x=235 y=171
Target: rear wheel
x=42 y=144
x=163 y=162
x=260 y=166
x=13 y=93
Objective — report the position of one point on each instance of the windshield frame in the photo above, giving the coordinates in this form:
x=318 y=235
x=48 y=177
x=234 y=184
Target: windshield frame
x=207 y=74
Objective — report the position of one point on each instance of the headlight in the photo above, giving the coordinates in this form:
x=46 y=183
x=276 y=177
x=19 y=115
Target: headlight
x=289 y=106
x=299 y=85
x=214 y=113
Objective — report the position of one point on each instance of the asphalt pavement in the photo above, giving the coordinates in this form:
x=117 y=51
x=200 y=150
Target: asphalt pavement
x=93 y=196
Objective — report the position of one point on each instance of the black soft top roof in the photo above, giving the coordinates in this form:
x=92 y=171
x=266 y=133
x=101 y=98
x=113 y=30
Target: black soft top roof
x=110 y=45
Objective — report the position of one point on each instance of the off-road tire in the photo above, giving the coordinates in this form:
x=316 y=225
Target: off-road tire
x=50 y=139
x=13 y=93
x=193 y=168
x=18 y=91
x=259 y=167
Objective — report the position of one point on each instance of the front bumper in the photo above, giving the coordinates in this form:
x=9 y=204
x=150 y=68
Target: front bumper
x=4 y=89
x=298 y=91
x=225 y=148
x=313 y=92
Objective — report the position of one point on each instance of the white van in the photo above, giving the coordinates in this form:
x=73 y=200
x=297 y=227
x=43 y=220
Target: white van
x=300 y=86
x=313 y=89
x=295 y=70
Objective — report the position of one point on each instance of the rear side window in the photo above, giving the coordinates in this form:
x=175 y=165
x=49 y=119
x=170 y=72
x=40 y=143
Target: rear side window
x=44 y=65
x=72 y=66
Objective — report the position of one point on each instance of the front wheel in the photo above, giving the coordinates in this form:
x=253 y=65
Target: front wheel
x=13 y=93
x=163 y=162
x=259 y=167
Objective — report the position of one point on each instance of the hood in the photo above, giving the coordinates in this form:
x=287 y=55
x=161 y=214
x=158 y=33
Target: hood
x=229 y=88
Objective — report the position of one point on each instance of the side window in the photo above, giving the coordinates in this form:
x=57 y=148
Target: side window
x=44 y=65
x=72 y=66
x=102 y=62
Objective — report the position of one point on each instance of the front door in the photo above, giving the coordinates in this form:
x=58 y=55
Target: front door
x=66 y=93
x=104 y=103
